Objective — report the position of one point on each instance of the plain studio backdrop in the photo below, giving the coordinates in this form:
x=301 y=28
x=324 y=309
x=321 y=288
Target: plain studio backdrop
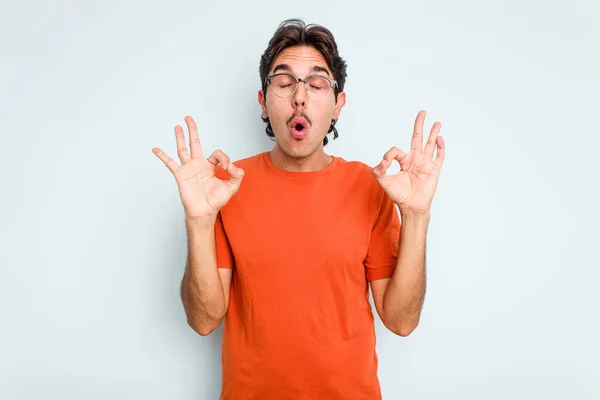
x=92 y=239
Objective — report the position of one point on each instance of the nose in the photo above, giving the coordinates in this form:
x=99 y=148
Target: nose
x=300 y=95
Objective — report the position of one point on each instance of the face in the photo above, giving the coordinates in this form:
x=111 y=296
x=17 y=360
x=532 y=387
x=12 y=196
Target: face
x=285 y=113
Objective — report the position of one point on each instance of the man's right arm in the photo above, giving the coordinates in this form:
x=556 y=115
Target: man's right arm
x=205 y=287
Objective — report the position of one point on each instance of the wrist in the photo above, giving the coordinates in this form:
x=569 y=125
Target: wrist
x=413 y=231
x=406 y=213
x=202 y=223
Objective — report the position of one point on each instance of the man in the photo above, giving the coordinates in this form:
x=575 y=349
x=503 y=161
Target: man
x=284 y=245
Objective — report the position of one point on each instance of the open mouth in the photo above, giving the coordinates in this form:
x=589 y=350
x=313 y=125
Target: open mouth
x=299 y=127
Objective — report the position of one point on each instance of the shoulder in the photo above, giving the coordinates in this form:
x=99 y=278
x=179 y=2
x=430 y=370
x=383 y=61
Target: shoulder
x=358 y=172
x=356 y=177
x=250 y=162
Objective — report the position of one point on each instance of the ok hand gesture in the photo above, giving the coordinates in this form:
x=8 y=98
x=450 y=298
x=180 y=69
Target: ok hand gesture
x=413 y=188
x=201 y=192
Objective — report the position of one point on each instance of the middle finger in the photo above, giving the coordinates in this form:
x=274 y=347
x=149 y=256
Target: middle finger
x=182 y=151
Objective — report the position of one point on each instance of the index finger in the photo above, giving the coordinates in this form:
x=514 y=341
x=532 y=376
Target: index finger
x=394 y=154
x=195 y=148
x=417 y=138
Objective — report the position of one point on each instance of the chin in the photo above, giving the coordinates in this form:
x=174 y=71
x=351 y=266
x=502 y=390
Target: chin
x=299 y=150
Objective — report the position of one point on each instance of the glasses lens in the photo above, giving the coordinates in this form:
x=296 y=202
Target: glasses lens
x=318 y=87
x=284 y=85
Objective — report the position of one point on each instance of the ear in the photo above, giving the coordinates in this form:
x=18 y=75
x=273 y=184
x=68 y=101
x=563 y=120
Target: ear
x=341 y=101
x=263 y=102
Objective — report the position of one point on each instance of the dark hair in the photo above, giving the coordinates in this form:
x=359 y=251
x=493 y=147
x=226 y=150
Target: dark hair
x=294 y=32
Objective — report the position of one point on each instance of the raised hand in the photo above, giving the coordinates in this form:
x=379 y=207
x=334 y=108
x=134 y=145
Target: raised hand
x=414 y=186
x=201 y=192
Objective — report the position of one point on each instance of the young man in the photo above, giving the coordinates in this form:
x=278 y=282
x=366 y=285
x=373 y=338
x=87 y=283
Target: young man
x=284 y=245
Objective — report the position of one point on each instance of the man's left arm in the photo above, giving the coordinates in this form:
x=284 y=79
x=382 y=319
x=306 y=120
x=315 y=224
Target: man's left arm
x=399 y=299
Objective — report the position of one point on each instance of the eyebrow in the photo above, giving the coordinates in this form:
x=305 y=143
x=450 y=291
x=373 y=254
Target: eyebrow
x=286 y=67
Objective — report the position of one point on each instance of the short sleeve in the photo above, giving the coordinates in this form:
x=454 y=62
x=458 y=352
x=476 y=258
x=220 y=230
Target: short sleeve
x=224 y=254
x=382 y=252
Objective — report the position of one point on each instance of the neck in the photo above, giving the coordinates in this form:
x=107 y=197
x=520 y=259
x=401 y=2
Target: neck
x=315 y=161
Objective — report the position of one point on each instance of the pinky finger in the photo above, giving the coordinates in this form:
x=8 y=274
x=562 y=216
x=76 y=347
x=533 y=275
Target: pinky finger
x=169 y=162
x=439 y=154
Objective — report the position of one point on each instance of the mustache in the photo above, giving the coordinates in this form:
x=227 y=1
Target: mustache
x=300 y=115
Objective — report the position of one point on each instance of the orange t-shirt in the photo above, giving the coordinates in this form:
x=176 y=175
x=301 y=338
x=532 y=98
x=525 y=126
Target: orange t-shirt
x=303 y=246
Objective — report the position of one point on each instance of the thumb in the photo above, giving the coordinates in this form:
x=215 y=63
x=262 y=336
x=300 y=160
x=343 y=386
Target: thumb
x=236 y=174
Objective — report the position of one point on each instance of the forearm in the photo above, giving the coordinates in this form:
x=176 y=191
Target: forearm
x=405 y=291
x=201 y=289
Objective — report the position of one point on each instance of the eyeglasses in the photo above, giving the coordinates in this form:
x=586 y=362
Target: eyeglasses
x=285 y=85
